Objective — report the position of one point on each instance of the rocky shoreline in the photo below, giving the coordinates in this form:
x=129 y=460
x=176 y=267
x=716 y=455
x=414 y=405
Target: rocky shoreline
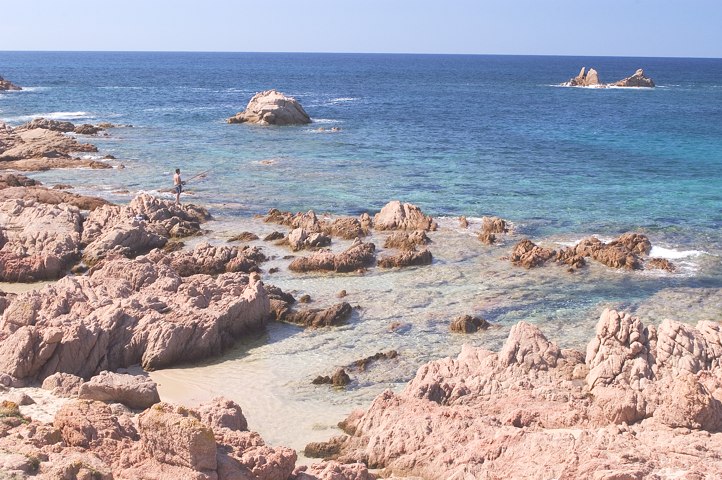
x=129 y=294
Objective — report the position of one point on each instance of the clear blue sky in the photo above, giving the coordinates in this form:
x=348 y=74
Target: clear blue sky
x=679 y=28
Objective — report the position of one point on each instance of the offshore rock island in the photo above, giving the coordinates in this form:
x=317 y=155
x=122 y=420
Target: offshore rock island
x=590 y=78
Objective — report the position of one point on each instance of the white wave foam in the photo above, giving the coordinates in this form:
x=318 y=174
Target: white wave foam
x=343 y=99
x=51 y=116
x=325 y=120
x=672 y=254
x=34 y=89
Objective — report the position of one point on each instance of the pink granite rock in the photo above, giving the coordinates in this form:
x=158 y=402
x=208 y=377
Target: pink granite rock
x=358 y=256
x=146 y=223
x=222 y=413
x=535 y=411
x=300 y=239
x=124 y=313
x=41 y=143
x=402 y=216
x=407 y=258
x=37 y=241
x=63 y=384
x=407 y=240
x=175 y=436
x=210 y=260
x=134 y=391
x=333 y=470
x=272 y=108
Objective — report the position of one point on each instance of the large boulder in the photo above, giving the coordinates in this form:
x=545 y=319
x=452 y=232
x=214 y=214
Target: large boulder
x=134 y=391
x=127 y=312
x=272 y=108
x=402 y=216
x=37 y=241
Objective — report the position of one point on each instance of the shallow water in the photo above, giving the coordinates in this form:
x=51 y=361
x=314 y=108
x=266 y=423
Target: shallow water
x=270 y=375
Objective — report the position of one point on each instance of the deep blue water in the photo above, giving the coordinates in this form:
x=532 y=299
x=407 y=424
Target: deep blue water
x=455 y=134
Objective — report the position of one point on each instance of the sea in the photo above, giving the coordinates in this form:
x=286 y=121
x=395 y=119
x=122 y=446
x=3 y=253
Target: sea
x=456 y=135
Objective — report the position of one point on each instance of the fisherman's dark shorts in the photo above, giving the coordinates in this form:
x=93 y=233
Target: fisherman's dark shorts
x=178 y=188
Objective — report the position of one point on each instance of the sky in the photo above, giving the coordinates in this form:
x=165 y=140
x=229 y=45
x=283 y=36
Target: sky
x=655 y=28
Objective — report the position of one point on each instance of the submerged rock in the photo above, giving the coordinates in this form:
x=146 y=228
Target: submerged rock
x=407 y=240
x=468 y=324
x=406 y=258
x=272 y=108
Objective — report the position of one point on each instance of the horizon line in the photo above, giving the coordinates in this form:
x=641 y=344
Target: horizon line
x=366 y=53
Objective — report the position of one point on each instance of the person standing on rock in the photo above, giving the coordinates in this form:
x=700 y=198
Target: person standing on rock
x=178 y=183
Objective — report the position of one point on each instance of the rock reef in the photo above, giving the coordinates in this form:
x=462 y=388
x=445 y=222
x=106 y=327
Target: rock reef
x=41 y=145
x=272 y=108
x=630 y=251
x=640 y=403
x=590 y=78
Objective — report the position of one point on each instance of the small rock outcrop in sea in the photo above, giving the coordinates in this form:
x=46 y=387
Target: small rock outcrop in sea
x=300 y=239
x=406 y=258
x=7 y=85
x=636 y=80
x=358 y=256
x=468 y=324
x=585 y=78
x=347 y=228
x=206 y=259
x=16 y=186
x=407 y=240
x=652 y=391
x=32 y=147
x=127 y=312
x=402 y=216
x=491 y=227
x=629 y=251
x=272 y=108
x=590 y=78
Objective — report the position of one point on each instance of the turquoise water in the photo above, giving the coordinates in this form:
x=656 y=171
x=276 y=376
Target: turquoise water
x=456 y=135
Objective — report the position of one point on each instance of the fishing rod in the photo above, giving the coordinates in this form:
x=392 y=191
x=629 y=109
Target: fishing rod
x=199 y=174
